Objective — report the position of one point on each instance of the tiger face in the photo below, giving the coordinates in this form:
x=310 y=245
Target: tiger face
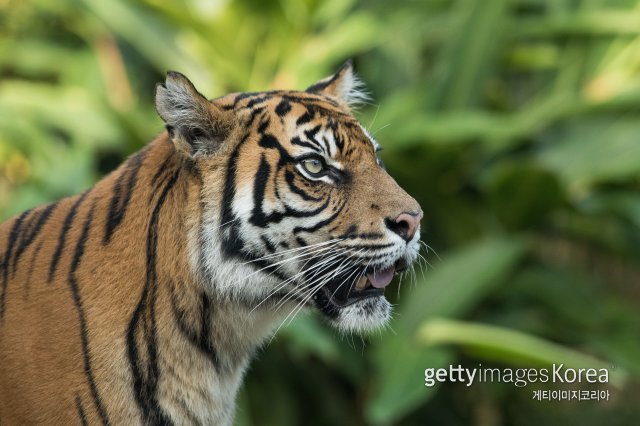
x=296 y=203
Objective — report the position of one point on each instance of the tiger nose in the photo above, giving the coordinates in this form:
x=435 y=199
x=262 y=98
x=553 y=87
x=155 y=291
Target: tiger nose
x=405 y=225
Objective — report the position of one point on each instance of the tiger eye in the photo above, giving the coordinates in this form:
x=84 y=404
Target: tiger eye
x=313 y=165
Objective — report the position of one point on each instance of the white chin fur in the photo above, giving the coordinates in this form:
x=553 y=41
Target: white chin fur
x=364 y=316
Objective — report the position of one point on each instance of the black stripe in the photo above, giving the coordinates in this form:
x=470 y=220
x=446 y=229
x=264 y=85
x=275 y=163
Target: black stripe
x=11 y=243
x=312 y=133
x=198 y=336
x=321 y=85
x=77 y=301
x=372 y=258
x=327 y=146
x=255 y=113
x=160 y=176
x=369 y=246
x=352 y=233
x=264 y=124
x=258 y=216
x=271 y=248
x=145 y=369
x=68 y=220
x=261 y=96
x=311 y=144
x=304 y=118
x=271 y=142
x=283 y=108
x=233 y=243
x=160 y=183
x=80 y=409
x=317 y=104
x=244 y=95
x=336 y=135
x=290 y=178
x=28 y=238
x=369 y=236
x=27 y=225
x=318 y=87
x=233 y=246
x=34 y=257
x=258 y=100
x=320 y=224
x=122 y=192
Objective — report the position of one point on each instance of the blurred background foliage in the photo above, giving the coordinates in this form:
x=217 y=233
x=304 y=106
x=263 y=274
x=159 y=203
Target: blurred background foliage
x=515 y=123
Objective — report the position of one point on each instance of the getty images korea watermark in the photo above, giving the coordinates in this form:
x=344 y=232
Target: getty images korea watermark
x=522 y=377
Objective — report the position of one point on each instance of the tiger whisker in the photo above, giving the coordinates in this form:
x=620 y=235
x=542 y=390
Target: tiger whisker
x=373 y=121
x=413 y=274
x=380 y=128
x=356 y=271
x=288 y=251
x=280 y=263
x=288 y=259
x=299 y=306
x=303 y=302
x=320 y=281
x=428 y=247
x=282 y=285
x=291 y=279
x=422 y=261
x=299 y=290
x=328 y=278
x=319 y=286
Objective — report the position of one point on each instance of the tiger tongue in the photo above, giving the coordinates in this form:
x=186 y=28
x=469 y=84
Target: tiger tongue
x=381 y=279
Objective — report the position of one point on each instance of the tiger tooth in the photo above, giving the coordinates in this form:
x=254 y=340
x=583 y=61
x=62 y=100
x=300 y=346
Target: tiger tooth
x=362 y=283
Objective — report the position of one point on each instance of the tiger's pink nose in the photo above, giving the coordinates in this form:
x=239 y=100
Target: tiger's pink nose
x=405 y=225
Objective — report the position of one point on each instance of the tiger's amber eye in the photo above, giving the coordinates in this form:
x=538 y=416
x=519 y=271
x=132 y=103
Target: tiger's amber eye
x=313 y=166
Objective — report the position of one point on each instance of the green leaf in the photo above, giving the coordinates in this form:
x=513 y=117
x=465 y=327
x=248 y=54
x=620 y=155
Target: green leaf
x=150 y=35
x=461 y=280
x=522 y=195
x=399 y=386
x=306 y=336
x=595 y=151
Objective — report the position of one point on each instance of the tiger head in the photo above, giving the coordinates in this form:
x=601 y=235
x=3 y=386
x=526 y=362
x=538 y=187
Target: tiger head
x=296 y=209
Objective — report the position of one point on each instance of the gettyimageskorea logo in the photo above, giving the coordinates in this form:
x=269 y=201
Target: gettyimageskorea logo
x=522 y=377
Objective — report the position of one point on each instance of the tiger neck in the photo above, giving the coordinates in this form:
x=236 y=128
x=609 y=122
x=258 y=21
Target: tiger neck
x=208 y=338
x=235 y=326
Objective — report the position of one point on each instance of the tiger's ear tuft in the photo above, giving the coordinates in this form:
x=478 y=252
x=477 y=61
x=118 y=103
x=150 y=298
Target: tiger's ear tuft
x=343 y=85
x=195 y=125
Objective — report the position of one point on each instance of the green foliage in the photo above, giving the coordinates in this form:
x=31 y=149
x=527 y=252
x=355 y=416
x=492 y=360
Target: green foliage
x=513 y=122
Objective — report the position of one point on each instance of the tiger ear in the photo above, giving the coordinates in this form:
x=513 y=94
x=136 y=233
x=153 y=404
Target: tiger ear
x=344 y=85
x=195 y=125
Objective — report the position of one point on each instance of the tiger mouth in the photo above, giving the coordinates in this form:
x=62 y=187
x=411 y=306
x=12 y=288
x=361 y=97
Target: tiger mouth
x=371 y=283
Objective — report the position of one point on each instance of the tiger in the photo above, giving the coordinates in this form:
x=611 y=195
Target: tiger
x=143 y=299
